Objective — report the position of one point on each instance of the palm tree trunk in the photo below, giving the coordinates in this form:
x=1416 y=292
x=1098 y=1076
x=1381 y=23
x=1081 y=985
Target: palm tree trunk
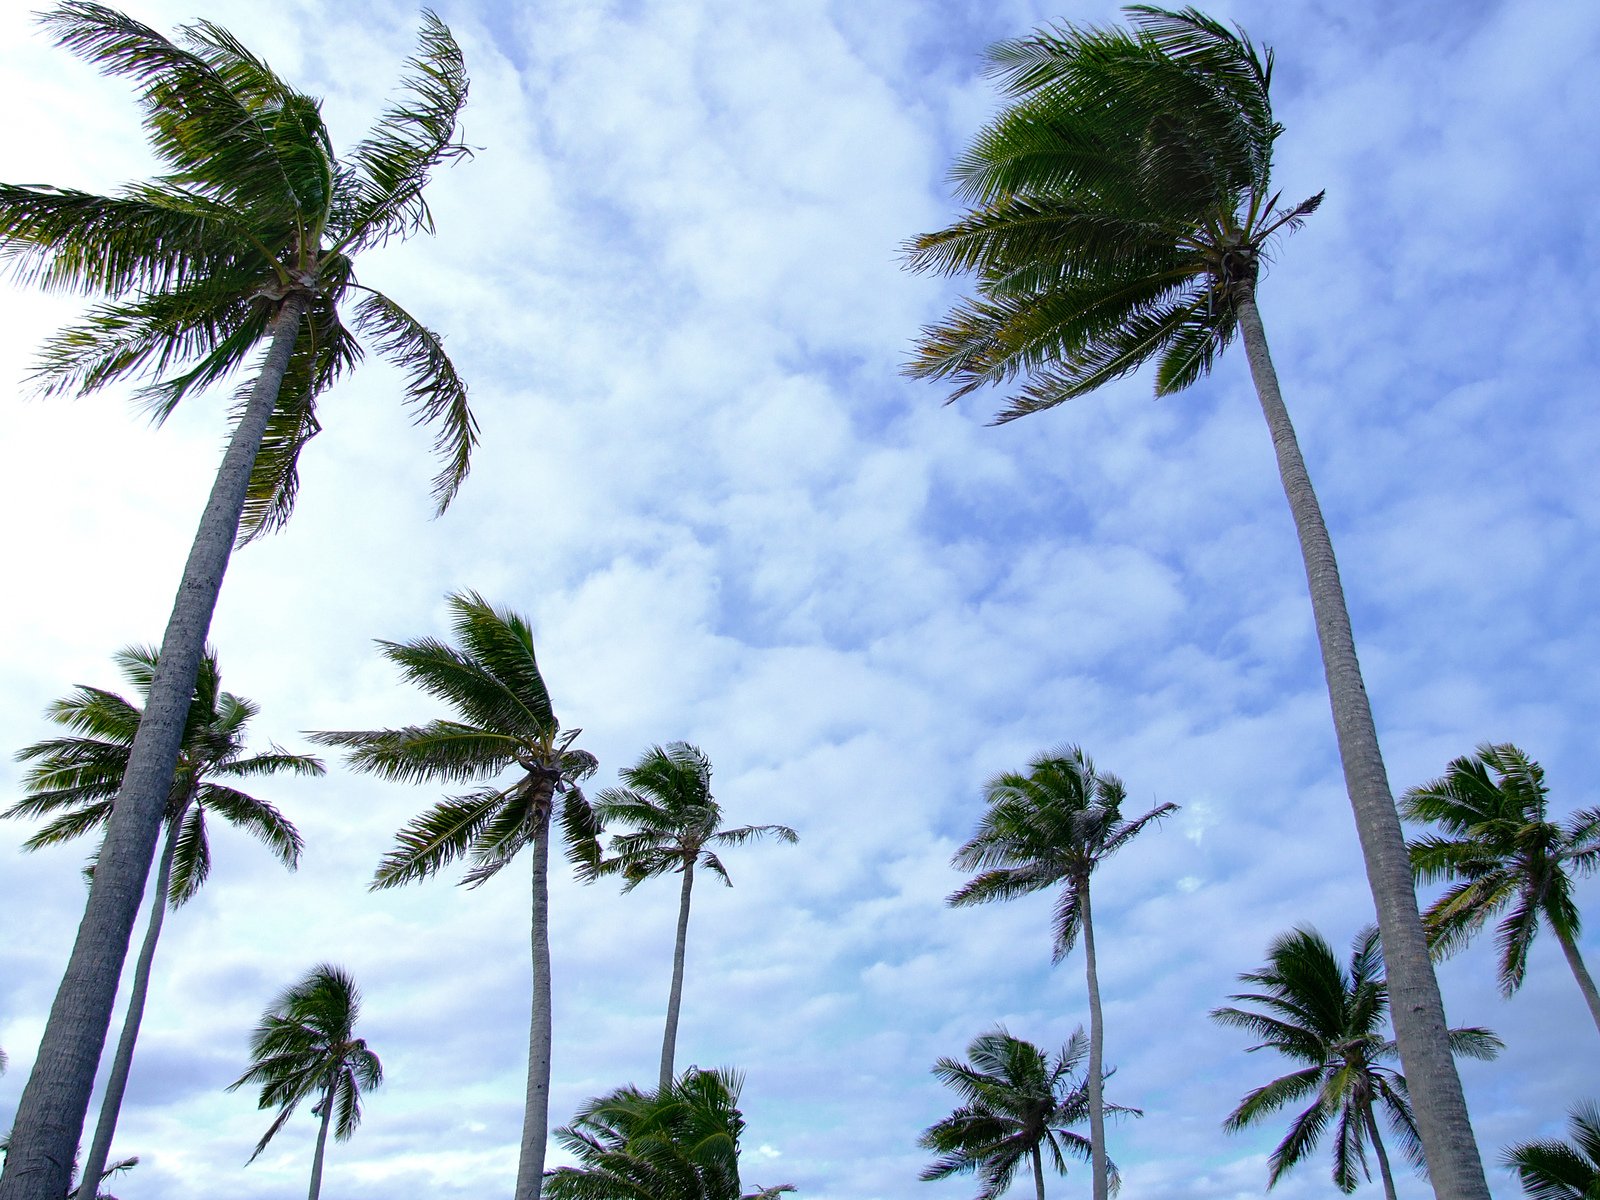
x=117 y=1084
x=1383 y=1157
x=1580 y=972
x=669 y=1042
x=1415 y=1004
x=322 y=1139
x=50 y=1114
x=1097 y=1109
x=1038 y=1173
x=536 y=1111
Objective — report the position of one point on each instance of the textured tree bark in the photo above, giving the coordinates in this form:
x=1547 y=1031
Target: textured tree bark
x=1416 y=1006
x=50 y=1114
x=1581 y=973
x=1383 y=1158
x=117 y=1083
x=1097 y=1109
x=322 y=1139
x=536 y=1112
x=669 y=1042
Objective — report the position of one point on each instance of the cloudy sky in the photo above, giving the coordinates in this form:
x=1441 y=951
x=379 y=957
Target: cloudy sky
x=670 y=275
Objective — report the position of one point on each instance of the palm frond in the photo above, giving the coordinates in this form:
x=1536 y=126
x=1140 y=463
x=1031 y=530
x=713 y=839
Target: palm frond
x=437 y=837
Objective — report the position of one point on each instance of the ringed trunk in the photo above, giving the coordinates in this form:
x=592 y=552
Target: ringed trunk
x=322 y=1139
x=1383 y=1157
x=536 y=1110
x=1417 y=1009
x=669 y=1042
x=111 y=1103
x=1096 y=1080
x=1580 y=972
x=50 y=1113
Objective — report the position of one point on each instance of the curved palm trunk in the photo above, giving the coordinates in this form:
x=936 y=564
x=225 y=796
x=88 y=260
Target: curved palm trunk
x=322 y=1140
x=1383 y=1157
x=669 y=1042
x=536 y=1111
x=1096 y=1080
x=1416 y=1006
x=1038 y=1173
x=50 y=1114
x=117 y=1084
x=1580 y=973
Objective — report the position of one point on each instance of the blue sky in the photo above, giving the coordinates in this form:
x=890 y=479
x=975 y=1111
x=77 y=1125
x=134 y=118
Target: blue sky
x=670 y=276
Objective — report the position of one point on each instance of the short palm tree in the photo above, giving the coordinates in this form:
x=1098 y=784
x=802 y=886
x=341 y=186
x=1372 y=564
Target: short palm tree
x=74 y=780
x=306 y=1045
x=676 y=826
x=1502 y=850
x=1016 y=1104
x=1122 y=211
x=1332 y=1019
x=492 y=680
x=680 y=1142
x=245 y=244
x=1557 y=1170
x=1054 y=826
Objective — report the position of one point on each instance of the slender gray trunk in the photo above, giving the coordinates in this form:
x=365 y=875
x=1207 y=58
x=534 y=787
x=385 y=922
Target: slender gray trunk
x=322 y=1139
x=669 y=1042
x=1097 y=1108
x=1580 y=973
x=50 y=1114
x=1416 y=1007
x=1383 y=1158
x=536 y=1112
x=117 y=1084
x=1038 y=1173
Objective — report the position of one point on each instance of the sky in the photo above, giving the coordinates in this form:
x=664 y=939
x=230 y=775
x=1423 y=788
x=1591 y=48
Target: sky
x=670 y=274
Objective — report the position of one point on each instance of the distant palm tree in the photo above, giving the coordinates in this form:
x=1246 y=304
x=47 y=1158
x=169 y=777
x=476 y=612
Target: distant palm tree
x=75 y=780
x=1122 y=211
x=306 y=1045
x=1504 y=851
x=239 y=257
x=680 y=1142
x=1557 y=1170
x=1016 y=1103
x=492 y=680
x=675 y=825
x=1332 y=1019
x=1053 y=826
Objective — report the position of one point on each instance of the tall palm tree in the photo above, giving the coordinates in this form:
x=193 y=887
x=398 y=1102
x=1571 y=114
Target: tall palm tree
x=680 y=1142
x=1332 y=1019
x=491 y=679
x=676 y=823
x=306 y=1045
x=74 y=780
x=1122 y=209
x=246 y=242
x=1504 y=851
x=1052 y=826
x=1016 y=1103
x=1555 y=1170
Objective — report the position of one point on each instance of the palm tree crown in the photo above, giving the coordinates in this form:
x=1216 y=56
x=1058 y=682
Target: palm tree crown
x=1331 y=1018
x=1500 y=849
x=1016 y=1105
x=1556 y=1170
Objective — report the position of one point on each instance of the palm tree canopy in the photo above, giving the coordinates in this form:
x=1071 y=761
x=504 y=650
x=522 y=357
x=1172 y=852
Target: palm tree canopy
x=1051 y=826
x=253 y=206
x=1122 y=205
x=1558 y=1170
x=491 y=678
x=1331 y=1019
x=1015 y=1100
x=74 y=779
x=677 y=1143
x=675 y=820
x=1500 y=849
x=306 y=1045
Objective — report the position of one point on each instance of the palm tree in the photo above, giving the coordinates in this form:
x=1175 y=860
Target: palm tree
x=680 y=1142
x=492 y=680
x=676 y=823
x=306 y=1045
x=1504 y=851
x=121 y=1166
x=1331 y=1018
x=1052 y=826
x=246 y=241
x=1016 y=1102
x=1557 y=1170
x=1122 y=210
x=74 y=780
